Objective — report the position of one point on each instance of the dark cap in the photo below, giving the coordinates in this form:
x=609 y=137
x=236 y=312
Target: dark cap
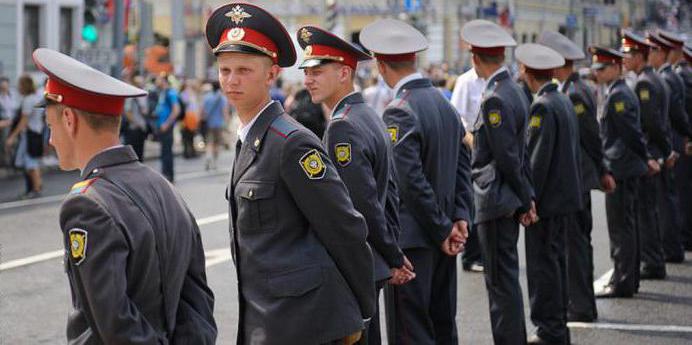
x=677 y=40
x=602 y=57
x=632 y=42
x=658 y=41
x=322 y=46
x=247 y=28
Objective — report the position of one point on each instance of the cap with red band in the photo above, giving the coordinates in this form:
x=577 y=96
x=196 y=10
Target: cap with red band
x=486 y=37
x=79 y=86
x=602 y=57
x=321 y=47
x=393 y=40
x=676 y=41
x=632 y=42
x=247 y=28
x=658 y=41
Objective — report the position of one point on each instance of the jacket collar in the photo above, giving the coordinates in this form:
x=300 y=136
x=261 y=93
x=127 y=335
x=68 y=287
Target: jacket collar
x=253 y=141
x=116 y=155
x=418 y=83
x=352 y=98
x=547 y=87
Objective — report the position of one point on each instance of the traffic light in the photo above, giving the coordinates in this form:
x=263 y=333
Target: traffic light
x=94 y=13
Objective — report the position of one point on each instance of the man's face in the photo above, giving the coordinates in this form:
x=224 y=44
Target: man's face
x=633 y=61
x=246 y=78
x=657 y=57
x=607 y=74
x=60 y=124
x=322 y=81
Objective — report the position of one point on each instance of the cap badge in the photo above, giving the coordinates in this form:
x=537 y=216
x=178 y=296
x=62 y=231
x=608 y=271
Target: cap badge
x=236 y=34
x=308 y=51
x=237 y=14
x=305 y=35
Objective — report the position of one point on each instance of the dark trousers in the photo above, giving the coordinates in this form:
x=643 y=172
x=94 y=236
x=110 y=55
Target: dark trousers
x=498 y=239
x=424 y=309
x=683 y=180
x=472 y=249
x=372 y=334
x=188 y=139
x=166 y=139
x=546 y=271
x=580 y=263
x=649 y=223
x=136 y=138
x=621 y=208
x=670 y=218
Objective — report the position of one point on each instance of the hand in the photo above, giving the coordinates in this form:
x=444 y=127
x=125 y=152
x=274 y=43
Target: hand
x=608 y=183
x=463 y=227
x=9 y=142
x=403 y=274
x=654 y=167
x=670 y=161
x=165 y=127
x=530 y=216
x=454 y=243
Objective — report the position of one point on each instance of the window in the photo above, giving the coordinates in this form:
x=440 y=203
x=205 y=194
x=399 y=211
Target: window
x=32 y=34
x=66 y=30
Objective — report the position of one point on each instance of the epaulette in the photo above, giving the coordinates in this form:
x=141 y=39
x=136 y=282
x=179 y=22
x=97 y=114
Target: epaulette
x=400 y=100
x=341 y=113
x=283 y=127
x=82 y=186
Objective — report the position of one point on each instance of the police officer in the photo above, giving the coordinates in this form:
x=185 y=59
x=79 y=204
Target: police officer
x=671 y=219
x=554 y=157
x=685 y=162
x=653 y=105
x=133 y=251
x=582 y=304
x=626 y=159
x=304 y=267
x=503 y=193
x=432 y=164
x=356 y=140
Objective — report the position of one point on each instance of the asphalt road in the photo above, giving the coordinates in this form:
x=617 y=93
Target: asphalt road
x=35 y=297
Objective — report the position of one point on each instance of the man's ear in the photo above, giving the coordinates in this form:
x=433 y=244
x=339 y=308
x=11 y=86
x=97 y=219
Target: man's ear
x=274 y=73
x=70 y=120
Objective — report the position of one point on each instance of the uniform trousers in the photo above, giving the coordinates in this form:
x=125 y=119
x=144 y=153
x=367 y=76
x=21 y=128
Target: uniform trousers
x=582 y=303
x=621 y=208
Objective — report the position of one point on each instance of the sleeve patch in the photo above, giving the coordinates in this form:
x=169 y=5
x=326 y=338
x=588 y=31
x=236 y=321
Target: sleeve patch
x=312 y=164
x=343 y=153
x=619 y=107
x=535 y=121
x=494 y=118
x=82 y=186
x=78 y=245
x=393 y=133
x=579 y=108
x=644 y=95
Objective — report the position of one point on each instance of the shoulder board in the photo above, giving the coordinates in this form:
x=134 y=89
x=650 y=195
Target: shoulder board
x=341 y=114
x=283 y=127
x=82 y=186
x=401 y=100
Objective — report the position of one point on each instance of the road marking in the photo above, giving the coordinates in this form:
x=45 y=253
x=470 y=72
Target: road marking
x=217 y=256
x=60 y=197
x=631 y=327
x=58 y=253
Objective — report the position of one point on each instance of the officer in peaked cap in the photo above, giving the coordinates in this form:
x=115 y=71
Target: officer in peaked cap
x=433 y=167
x=685 y=162
x=582 y=304
x=663 y=57
x=356 y=140
x=503 y=192
x=626 y=159
x=553 y=148
x=135 y=275
x=653 y=103
x=305 y=270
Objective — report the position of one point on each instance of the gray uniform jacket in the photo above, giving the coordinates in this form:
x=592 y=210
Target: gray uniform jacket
x=432 y=164
x=591 y=155
x=653 y=103
x=305 y=270
x=624 y=149
x=678 y=115
x=134 y=258
x=554 y=153
x=359 y=146
x=501 y=171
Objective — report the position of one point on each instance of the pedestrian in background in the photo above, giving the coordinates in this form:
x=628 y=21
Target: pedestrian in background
x=8 y=111
x=28 y=135
x=136 y=126
x=167 y=111
x=216 y=115
x=189 y=117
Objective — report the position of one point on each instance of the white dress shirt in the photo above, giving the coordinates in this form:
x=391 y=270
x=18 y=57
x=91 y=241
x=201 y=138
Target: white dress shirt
x=467 y=96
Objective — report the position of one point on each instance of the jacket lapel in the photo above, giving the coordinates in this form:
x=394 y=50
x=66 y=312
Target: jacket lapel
x=253 y=141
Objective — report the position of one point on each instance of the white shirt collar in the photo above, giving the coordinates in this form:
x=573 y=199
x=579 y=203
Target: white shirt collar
x=406 y=79
x=339 y=103
x=244 y=130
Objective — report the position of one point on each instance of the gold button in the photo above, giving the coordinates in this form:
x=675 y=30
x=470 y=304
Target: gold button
x=257 y=142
